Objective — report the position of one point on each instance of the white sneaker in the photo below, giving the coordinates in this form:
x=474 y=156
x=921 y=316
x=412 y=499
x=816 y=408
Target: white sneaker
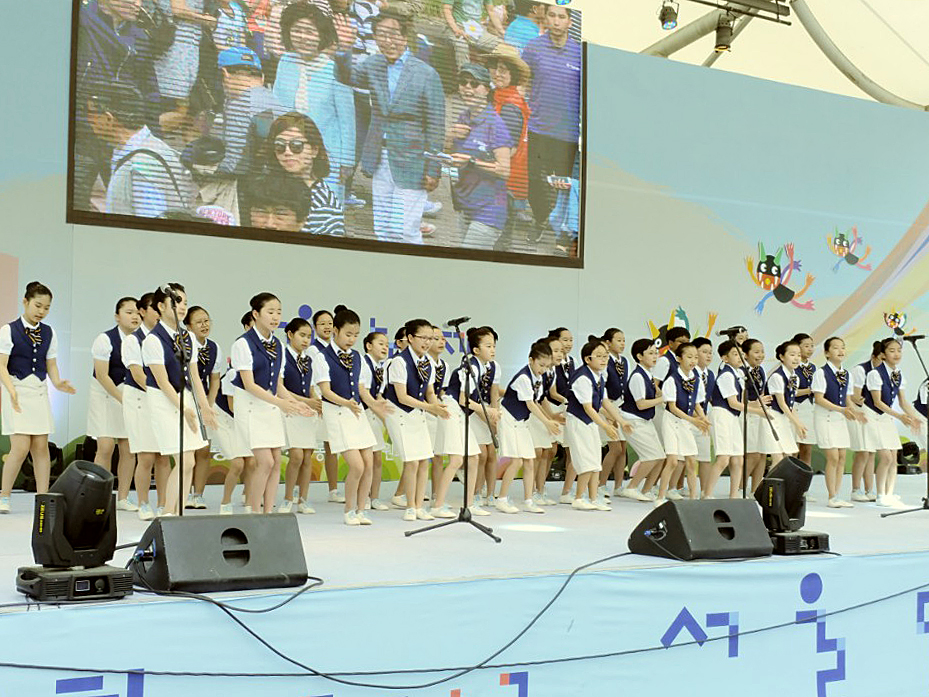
x=567 y=498
x=883 y=501
x=583 y=505
x=602 y=493
x=336 y=497
x=537 y=499
x=423 y=514
x=160 y=511
x=503 y=505
x=225 y=509
x=189 y=504
x=363 y=519
x=125 y=505
x=247 y=510
x=285 y=507
x=548 y=500
x=871 y=496
x=629 y=492
x=398 y=501
x=305 y=508
x=4 y=504
x=659 y=502
x=531 y=506
x=443 y=512
x=199 y=503
x=478 y=500
x=242 y=500
x=650 y=496
x=834 y=503
x=675 y=495
x=379 y=505
x=145 y=511
x=351 y=518
x=602 y=505
x=809 y=498
x=490 y=501
x=409 y=515
x=859 y=496
x=477 y=510
x=846 y=504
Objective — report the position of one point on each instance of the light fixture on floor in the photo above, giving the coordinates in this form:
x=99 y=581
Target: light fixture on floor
x=724 y=33
x=667 y=15
x=781 y=495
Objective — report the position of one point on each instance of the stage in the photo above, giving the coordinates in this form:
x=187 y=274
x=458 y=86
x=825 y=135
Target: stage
x=452 y=598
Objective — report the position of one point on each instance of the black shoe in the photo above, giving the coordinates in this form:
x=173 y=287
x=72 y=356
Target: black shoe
x=535 y=233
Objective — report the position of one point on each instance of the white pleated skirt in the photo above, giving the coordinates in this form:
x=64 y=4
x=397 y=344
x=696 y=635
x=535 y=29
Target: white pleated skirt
x=480 y=428
x=515 y=438
x=856 y=435
x=785 y=432
x=377 y=428
x=880 y=432
x=259 y=424
x=410 y=434
x=225 y=438
x=302 y=431
x=831 y=428
x=449 y=439
x=35 y=411
x=541 y=438
x=727 y=432
x=677 y=436
x=583 y=440
x=559 y=409
x=165 y=419
x=104 y=414
x=138 y=422
x=432 y=423
x=346 y=430
x=704 y=446
x=755 y=422
x=805 y=411
x=645 y=441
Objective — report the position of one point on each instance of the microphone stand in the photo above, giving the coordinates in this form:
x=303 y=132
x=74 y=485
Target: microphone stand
x=925 y=506
x=464 y=515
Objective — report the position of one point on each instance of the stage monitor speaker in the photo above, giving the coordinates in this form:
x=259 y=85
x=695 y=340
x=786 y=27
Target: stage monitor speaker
x=708 y=529
x=201 y=554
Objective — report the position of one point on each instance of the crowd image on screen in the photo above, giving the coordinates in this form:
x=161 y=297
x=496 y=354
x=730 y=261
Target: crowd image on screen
x=449 y=123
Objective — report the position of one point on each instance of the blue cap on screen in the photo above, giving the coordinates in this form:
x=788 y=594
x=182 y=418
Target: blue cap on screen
x=478 y=72
x=239 y=57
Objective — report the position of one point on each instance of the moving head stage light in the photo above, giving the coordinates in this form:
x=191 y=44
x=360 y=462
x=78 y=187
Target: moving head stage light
x=783 y=508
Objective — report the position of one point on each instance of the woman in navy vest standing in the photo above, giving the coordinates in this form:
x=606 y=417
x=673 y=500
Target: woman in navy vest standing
x=28 y=352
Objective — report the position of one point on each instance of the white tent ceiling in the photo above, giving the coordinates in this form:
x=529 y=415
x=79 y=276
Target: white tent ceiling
x=886 y=39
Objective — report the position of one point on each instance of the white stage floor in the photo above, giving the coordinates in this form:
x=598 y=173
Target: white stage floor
x=555 y=542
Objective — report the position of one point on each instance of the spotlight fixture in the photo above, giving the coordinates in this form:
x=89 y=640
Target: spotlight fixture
x=783 y=508
x=724 y=33
x=667 y=15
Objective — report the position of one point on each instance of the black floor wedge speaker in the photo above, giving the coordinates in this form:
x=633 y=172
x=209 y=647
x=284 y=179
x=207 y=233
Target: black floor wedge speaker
x=707 y=529
x=202 y=554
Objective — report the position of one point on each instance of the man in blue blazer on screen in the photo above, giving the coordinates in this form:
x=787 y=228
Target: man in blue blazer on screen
x=407 y=123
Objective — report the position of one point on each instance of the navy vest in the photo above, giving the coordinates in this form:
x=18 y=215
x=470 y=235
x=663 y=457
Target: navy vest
x=709 y=384
x=512 y=403
x=485 y=381
x=206 y=362
x=836 y=391
x=222 y=401
x=629 y=405
x=616 y=372
x=28 y=358
x=115 y=368
x=563 y=374
x=919 y=404
x=139 y=334
x=439 y=369
x=805 y=375
x=377 y=377
x=296 y=381
x=342 y=381
x=790 y=391
x=686 y=400
x=416 y=384
x=755 y=382
x=548 y=379
x=674 y=365
x=575 y=408
x=453 y=389
x=889 y=390
x=172 y=364
x=716 y=397
x=265 y=370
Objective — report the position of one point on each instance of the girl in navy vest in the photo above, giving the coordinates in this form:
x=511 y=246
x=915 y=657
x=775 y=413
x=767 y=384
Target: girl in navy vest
x=617 y=374
x=485 y=376
x=347 y=427
x=708 y=379
x=105 y=422
x=543 y=440
x=322 y=326
x=805 y=400
x=863 y=460
x=228 y=442
x=834 y=410
x=782 y=385
x=521 y=398
x=586 y=399
x=164 y=379
x=440 y=374
x=755 y=381
x=726 y=405
x=209 y=369
x=563 y=370
x=410 y=390
x=639 y=405
x=885 y=386
x=28 y=353
x=302 y=431
x=371 y=388
x=261 y=399
x=142 y=441
x=683 y=395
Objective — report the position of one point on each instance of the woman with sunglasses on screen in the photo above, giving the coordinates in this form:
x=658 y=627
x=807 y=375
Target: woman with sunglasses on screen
x=296 y=149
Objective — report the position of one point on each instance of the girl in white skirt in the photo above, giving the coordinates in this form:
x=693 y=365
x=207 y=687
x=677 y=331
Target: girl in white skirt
x=782 y=386
x=564 y=370
x=834 y=411
x=105 y=422
x=586 y=398
x=639 y=404
x=884 y=387
x=302 y=431
x=440 y=375
x=683 y=394
x=708 y=378
x=805 y=401
x=755 y=381
x=617 y=373
x=228 y=442
x=165 y=377
x=209 y=369
x=485 y=376
x=726 y=406
x=28 y=353
x=261 y=399
x=370 y=388
x=322 y=325
x=410 y=391
x=521 y=399
x=347 y=427
x=863 y=460
x=546 y=444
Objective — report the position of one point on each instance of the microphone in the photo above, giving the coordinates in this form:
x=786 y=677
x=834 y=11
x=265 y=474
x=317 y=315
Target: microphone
x=730 y=331
x=170 y=292
x=913 y=338
x=455 y=322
